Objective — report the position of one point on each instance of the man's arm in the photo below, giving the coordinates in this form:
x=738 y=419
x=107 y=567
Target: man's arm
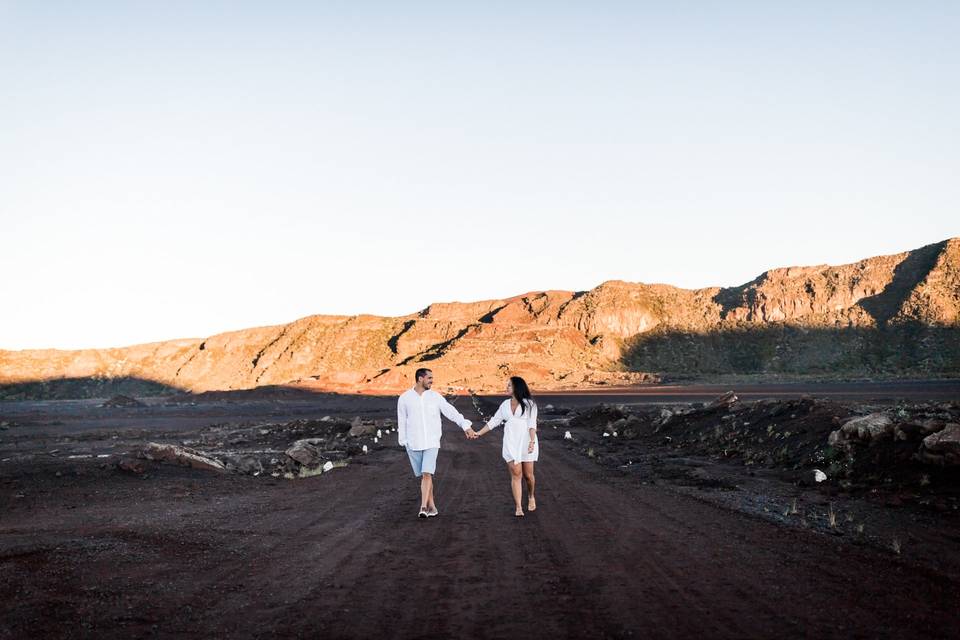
x=452 y=414
x=401 y=423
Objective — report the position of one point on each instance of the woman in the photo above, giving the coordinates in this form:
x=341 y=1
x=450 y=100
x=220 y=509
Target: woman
x=520 y=446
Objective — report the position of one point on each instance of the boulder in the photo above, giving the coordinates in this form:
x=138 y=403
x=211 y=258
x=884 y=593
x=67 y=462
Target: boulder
x=180 y=455
x=720 y=402
x=942 y=447
x=875 y=426
x=918 y=429
x=359 y=428
x=305 y=451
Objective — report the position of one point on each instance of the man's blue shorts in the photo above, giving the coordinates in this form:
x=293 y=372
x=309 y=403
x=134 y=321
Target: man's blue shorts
x=423 y=461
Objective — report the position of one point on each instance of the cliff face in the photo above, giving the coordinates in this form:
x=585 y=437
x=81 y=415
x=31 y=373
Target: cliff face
x=890 y=314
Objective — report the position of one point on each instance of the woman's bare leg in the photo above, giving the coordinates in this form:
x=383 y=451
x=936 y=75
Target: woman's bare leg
x=531 y=486
x=516 y=485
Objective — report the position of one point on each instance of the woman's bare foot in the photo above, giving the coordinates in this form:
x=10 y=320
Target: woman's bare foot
x=532 y=504
x=519 y=512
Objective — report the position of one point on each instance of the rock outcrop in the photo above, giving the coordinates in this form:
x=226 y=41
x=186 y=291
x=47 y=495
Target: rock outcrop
x=889 y=315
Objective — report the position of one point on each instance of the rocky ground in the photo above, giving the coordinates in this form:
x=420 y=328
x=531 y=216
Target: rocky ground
x=887 y=475
x=114 y=511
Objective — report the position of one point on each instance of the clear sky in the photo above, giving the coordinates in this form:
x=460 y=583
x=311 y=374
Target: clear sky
x=174 y=170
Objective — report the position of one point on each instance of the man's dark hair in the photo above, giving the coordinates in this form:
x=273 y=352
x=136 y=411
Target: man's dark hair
x=420 y=373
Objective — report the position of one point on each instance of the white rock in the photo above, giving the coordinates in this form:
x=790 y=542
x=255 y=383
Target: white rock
x=364 y=448
x=379 y=433
x=819 y=476
x=326 y=419
x=614 y=434
x=567 y=436
x=327 y=466
x=375 y=441
x=606 y=435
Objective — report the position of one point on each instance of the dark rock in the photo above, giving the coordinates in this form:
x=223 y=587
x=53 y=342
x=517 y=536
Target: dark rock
x=180 y=455
x=726 y=400
x=360 y=428
x=943 y=447
x=132 y=465
x=122 y=401
x=305 y=451
x=919 y=429
x=872 y=427
x=597 y=417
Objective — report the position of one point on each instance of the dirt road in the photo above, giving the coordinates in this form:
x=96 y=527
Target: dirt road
x=184 y=554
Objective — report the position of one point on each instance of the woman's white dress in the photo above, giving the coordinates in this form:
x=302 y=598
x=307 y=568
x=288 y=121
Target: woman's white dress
x=516 y=431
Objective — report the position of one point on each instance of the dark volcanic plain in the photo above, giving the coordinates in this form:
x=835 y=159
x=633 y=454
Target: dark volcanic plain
x=705 y=522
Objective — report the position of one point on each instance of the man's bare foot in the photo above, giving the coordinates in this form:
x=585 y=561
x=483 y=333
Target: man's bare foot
x=519 y=512
x=532 y=504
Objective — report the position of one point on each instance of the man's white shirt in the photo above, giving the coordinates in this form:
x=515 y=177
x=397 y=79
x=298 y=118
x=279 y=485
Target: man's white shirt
x=418 y=419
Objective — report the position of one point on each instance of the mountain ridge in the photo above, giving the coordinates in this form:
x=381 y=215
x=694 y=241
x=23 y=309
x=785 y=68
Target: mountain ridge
x=892 y=314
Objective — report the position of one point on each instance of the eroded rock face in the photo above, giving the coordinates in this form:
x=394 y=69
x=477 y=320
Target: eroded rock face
x=897 y=313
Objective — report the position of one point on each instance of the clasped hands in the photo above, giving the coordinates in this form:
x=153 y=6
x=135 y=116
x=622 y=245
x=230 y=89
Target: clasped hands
x=473 y=435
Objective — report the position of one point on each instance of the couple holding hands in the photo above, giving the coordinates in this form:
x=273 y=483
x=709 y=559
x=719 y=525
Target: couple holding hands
x=418 y=430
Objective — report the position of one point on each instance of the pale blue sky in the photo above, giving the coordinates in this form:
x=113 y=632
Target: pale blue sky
x=172 y=171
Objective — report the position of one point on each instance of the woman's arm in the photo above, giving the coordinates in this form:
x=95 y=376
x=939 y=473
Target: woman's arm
x=532 y=426
x=494 y=422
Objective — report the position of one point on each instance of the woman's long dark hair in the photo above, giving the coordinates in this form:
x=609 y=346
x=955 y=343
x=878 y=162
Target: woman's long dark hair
x=521 y=392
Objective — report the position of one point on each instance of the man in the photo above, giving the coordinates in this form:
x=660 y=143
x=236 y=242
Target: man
x=418 y=430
